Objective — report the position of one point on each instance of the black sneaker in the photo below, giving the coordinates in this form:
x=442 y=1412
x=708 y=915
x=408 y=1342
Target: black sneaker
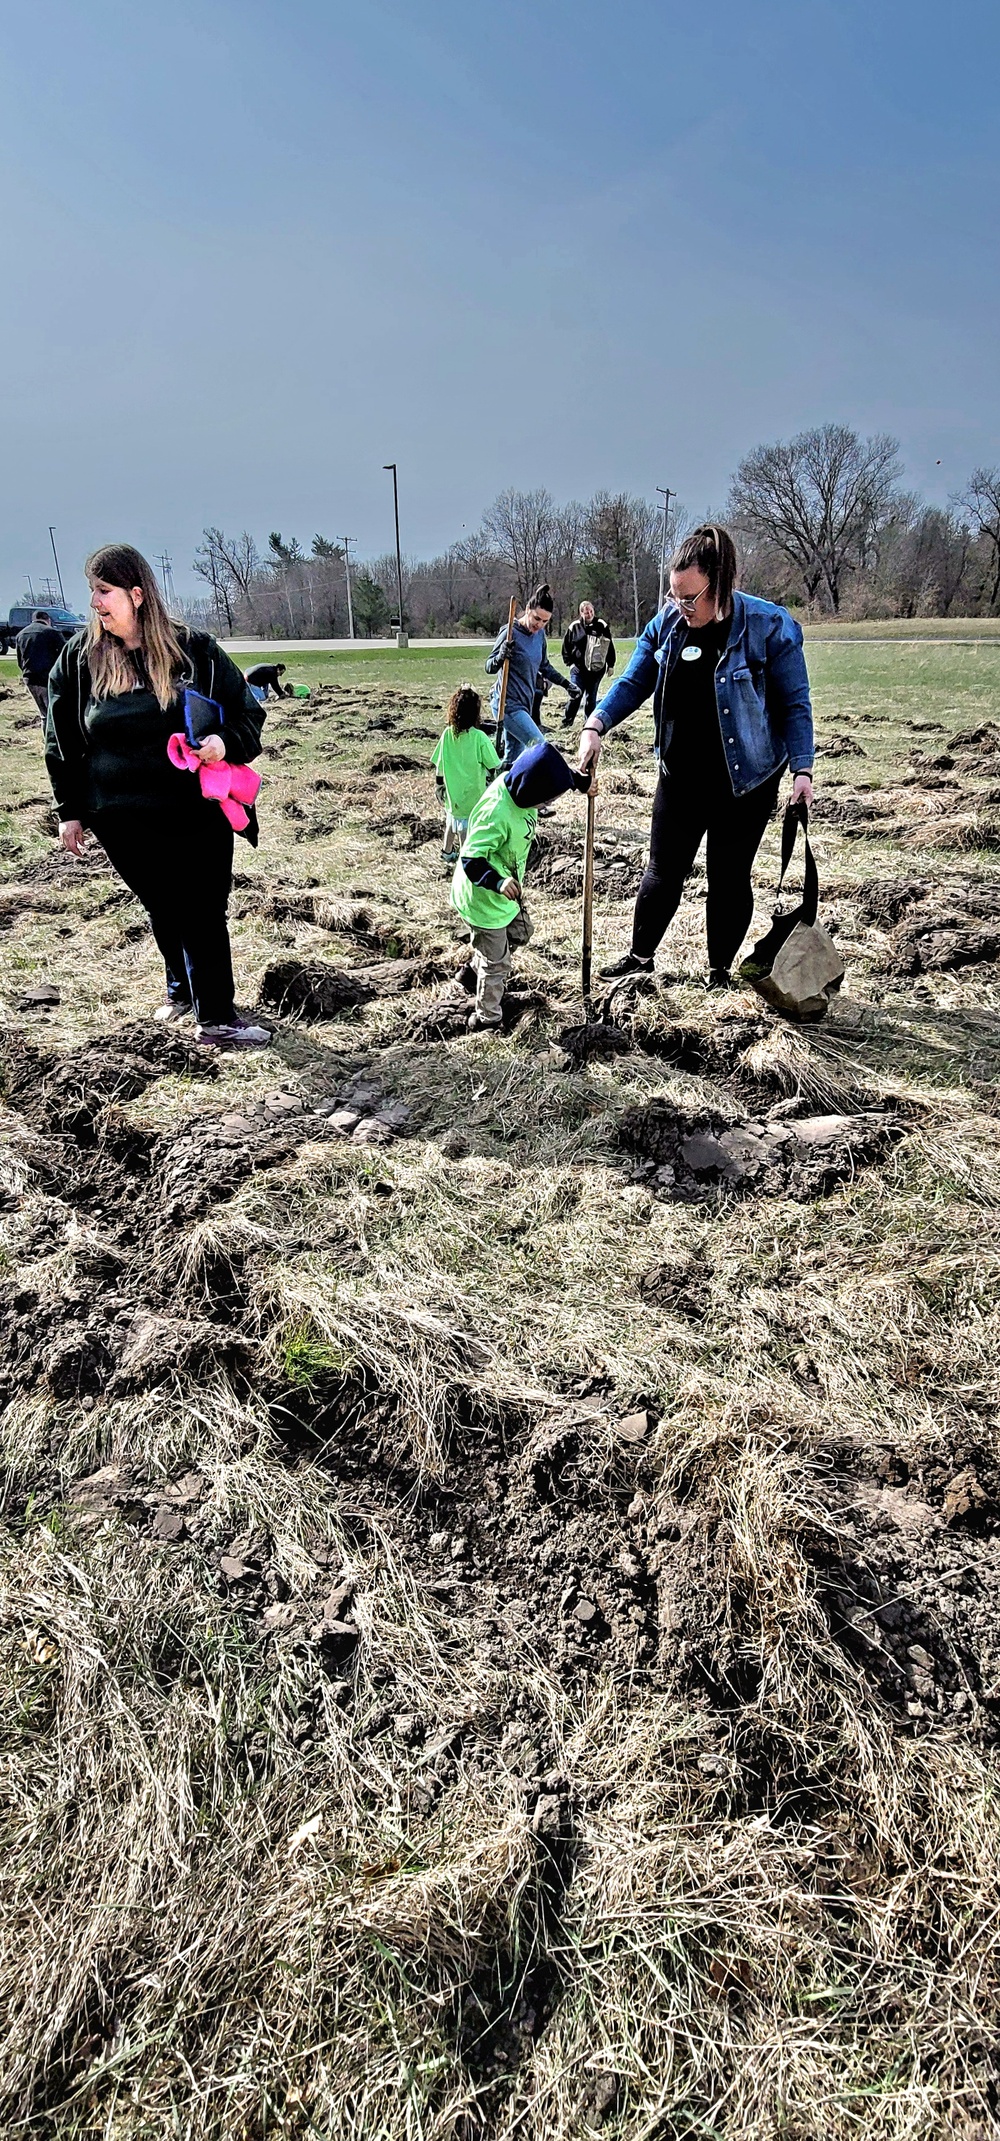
x=630 y=964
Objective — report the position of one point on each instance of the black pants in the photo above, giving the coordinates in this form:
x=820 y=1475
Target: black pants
x=585 y=687
x=685 y=809
x=181 y=868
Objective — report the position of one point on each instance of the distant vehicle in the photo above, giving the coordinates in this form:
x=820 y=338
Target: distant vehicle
x=66 y=621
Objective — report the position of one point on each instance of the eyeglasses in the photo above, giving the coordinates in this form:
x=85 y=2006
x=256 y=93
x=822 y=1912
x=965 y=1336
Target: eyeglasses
x=689 y=602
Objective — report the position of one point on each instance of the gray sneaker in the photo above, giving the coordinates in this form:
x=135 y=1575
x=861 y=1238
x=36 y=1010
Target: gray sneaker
x=242 y=1033
x=170 y=1014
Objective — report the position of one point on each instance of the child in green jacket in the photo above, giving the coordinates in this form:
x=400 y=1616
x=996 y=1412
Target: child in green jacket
x=486 y=887
x=463 y=760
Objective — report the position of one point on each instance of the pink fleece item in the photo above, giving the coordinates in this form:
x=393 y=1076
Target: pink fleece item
x=229 y=786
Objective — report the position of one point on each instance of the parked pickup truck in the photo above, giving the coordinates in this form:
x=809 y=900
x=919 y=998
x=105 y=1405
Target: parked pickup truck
x=66 y=621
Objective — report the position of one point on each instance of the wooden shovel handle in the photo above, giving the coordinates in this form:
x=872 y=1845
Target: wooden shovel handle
x=504 y=673
x=588 y=896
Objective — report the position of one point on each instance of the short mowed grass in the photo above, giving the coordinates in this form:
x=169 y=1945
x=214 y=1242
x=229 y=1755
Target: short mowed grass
x=256 y=1887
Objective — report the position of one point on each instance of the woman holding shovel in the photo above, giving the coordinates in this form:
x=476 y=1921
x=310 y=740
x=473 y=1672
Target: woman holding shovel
x=731 y=710
x=522 y=647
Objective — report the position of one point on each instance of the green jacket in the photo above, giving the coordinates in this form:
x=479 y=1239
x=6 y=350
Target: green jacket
x=464 y=763
x=500 y=834
x=67 y=741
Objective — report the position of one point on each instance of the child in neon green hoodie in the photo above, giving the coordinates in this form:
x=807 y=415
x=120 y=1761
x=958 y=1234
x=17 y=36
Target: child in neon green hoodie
x=463 y=759
x=486 y=887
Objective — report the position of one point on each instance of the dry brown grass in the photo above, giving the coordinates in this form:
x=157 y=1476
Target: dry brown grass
x=464 y=1875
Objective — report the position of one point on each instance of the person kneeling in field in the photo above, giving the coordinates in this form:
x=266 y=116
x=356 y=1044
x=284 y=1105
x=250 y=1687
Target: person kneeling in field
x=486 y=887
x=266 y=677
x=463 y=759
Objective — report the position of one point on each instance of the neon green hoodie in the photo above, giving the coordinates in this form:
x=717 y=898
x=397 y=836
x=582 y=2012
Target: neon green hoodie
x=501 y=834
x=464 y=763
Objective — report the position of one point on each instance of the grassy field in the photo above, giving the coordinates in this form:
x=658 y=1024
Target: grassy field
x=499 y=1608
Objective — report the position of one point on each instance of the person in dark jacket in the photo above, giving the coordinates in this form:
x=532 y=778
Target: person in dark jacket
x=116 y=695
x=731 y=711
x=38 y=649
x=529 y=661
x=589 y=651
x=267 y=678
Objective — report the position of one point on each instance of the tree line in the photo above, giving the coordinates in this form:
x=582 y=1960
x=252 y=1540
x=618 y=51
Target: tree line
x=822 y=521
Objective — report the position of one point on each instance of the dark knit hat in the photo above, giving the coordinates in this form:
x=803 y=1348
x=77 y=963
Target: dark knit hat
x=538 y=776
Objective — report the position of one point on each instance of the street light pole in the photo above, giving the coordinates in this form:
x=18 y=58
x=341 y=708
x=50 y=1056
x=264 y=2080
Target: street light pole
x=52 y=539
x=401 y=638
x=666 y=497
x=346 y=539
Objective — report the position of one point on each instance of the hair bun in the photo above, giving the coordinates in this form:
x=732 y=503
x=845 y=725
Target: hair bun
x=542 y=598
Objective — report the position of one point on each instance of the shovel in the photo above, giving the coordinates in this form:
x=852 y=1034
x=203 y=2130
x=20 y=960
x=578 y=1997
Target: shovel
x=504 y=673
x=588 y=903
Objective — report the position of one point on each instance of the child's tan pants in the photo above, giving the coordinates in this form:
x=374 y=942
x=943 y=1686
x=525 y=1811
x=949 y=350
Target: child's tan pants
x=491 y=955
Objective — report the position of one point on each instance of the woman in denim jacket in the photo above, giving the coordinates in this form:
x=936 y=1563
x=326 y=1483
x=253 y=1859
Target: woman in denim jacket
x=731 y=710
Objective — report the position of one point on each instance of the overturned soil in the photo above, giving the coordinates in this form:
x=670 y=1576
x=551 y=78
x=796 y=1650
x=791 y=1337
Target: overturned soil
x=530 y=1505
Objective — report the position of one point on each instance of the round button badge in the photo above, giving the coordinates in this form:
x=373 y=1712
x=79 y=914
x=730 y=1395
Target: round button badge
x=690 y=654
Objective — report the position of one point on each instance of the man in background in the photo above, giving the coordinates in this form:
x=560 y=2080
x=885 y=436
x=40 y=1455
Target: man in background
x=38 y=649
x=267 y=678
x=589 y=651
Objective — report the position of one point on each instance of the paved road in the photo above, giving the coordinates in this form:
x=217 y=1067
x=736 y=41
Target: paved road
x=814 y=638
x=339 y=646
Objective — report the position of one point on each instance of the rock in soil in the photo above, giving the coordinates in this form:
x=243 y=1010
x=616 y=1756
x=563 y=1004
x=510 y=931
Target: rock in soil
x=689 y=1158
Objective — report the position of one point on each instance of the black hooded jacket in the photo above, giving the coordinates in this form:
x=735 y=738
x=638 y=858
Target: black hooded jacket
x=208 y=670
x=574 y=646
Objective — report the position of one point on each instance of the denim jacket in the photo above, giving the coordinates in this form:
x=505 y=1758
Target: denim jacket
x=761 y=689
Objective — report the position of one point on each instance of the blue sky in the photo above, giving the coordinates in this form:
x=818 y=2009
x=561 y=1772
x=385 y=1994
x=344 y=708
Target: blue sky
x=253 y=251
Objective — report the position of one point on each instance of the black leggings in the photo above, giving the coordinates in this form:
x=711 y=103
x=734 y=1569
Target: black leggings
x=181 y=868
x=683 y=812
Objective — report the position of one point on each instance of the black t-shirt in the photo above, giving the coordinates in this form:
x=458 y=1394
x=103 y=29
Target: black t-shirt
x=695 y=748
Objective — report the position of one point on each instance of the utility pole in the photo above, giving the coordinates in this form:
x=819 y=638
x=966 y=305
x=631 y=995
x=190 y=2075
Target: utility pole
x=666 y=497
x=166 y=580
x=401 y=638
x=346 y=539
x=635 y=593
x=52 y=539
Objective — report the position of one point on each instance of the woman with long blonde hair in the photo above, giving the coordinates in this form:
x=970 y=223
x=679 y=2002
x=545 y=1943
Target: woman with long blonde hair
x=117 y=694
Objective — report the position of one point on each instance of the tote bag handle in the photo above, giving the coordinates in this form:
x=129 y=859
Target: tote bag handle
x=797 y=814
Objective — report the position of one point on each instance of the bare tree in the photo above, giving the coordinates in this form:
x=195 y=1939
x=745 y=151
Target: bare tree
x=242 y=559
x=619 y=531
x=520 y=527
x=211 y=564
x=981 y=501
x=821 y=500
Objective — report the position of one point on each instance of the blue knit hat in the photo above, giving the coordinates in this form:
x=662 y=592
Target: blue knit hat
x=538 y=776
